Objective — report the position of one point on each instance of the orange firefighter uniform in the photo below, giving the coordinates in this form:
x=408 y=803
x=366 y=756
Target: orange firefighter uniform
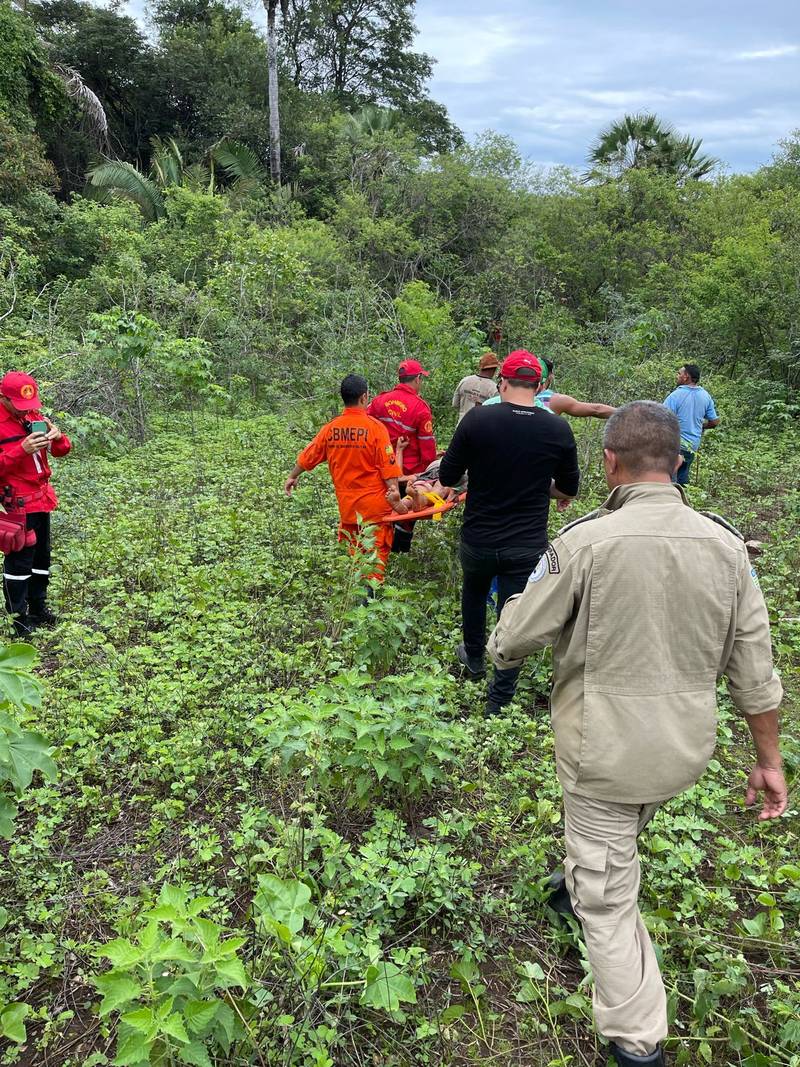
x=360 y=459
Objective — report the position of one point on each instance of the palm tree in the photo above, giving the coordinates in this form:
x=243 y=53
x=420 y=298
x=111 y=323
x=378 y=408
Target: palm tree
x=643 y=140
x=240 y=165
x=76 y=89
x=237 y=161
x=87 y=100
x=372 y=152
x=369 y=121
x=685 y=161
x=272 y=62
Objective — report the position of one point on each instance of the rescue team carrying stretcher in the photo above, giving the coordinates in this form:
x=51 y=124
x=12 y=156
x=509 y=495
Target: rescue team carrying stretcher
x=646 y=602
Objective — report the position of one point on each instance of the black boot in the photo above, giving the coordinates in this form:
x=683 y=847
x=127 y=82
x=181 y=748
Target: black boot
x=23 y=626
x=403 y=536
x=560 y=900
x=40 y=615
x=475 y=669
x=627 y=1059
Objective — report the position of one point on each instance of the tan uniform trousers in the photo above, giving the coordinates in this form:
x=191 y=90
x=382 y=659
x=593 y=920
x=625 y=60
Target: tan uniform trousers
x=602 y=872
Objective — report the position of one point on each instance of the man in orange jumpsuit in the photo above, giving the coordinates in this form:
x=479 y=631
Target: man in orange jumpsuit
x=363 y=468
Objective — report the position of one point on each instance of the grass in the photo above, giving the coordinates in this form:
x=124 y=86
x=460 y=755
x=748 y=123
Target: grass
x=206 y=626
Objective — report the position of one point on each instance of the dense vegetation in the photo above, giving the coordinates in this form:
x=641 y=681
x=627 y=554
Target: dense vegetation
x=259 y=822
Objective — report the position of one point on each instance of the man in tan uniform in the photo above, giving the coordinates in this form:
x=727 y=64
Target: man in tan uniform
x=473 y=390
x=646 y=603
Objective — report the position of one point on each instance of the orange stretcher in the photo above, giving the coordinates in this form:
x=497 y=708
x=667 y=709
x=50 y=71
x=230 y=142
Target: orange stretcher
x=433 y=512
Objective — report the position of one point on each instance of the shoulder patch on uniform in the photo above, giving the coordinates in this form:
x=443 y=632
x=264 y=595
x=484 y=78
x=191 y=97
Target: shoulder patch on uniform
x=754 y=576
x=718 y=519
x=552 y=560
x=596 y=514
x=539 y=571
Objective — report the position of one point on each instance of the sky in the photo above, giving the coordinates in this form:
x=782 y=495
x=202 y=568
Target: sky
x=552 y=75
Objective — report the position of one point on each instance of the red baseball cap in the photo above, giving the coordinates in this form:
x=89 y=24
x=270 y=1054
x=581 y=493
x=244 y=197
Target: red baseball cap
x=411 y=366
x=521 y=364
x=21 y=390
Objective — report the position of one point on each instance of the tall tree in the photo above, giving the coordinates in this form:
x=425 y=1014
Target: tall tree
x=212 y=60
x=359 y=50
x=644 y=140
x=274 y=110
x=101 y=50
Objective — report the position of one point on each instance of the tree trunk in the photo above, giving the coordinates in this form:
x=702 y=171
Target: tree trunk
x=274 y=114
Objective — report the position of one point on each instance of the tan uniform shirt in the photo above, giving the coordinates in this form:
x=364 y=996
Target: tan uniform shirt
x=646 y=603
x=471 y=392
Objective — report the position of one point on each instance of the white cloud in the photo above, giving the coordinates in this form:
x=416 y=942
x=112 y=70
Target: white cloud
x=646 y=99
x=771 y=53
x=471 y=50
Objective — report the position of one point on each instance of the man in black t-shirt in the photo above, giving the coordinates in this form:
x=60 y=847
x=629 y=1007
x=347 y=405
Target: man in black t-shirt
x=518 y=457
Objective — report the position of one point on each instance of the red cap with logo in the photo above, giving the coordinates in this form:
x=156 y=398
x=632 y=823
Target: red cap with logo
x=21 y=390
x=522 y=364
x=411 y=366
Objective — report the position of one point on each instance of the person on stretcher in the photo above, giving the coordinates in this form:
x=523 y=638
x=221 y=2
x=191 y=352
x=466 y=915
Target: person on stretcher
x=420 y=488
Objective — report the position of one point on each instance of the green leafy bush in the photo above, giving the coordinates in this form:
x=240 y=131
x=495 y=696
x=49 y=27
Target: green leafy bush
x=171 y=984
x=367 y=740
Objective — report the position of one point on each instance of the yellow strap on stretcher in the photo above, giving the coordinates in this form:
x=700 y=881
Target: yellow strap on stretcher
x=436 y=500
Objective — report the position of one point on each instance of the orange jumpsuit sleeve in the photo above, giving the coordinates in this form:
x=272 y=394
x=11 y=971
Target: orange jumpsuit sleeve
x=385 y=459
x=316 y=452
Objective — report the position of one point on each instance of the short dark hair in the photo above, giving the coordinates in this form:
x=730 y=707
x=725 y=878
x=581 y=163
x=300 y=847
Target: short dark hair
x=523 y=383
x=646 y=436
x=548 y=363
x=404 y=379
x=693 y=371
x=353 y=388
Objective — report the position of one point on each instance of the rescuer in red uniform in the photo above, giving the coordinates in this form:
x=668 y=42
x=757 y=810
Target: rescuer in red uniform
x=25 y=487
x=405 y=414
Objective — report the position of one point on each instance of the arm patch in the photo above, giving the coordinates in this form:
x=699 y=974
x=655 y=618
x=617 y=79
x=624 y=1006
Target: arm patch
x=552 y=560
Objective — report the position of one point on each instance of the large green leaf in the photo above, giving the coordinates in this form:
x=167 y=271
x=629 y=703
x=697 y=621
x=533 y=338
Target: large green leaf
x=17 y=684
x=121 y=952
x=174 y=1026
x=238 y=161
x=12 y=1023
x=284 y=902
x=117 y=989
x=8 y=812
x=23 y=753
x=231 y=973
x=387 y=987
x=125 y=180
x=18 y=657
x=200 y=1014
x=195 y=1053
x=132 y=1049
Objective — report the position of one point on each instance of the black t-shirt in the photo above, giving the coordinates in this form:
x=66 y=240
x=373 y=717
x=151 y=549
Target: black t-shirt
x=511 y=454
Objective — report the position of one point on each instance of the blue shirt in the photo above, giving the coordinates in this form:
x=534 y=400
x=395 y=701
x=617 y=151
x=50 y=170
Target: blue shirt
x=540 y=402
x=693 y=405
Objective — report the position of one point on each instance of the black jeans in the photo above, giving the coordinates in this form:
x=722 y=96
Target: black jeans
x=26 y=574
x=512 y=567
